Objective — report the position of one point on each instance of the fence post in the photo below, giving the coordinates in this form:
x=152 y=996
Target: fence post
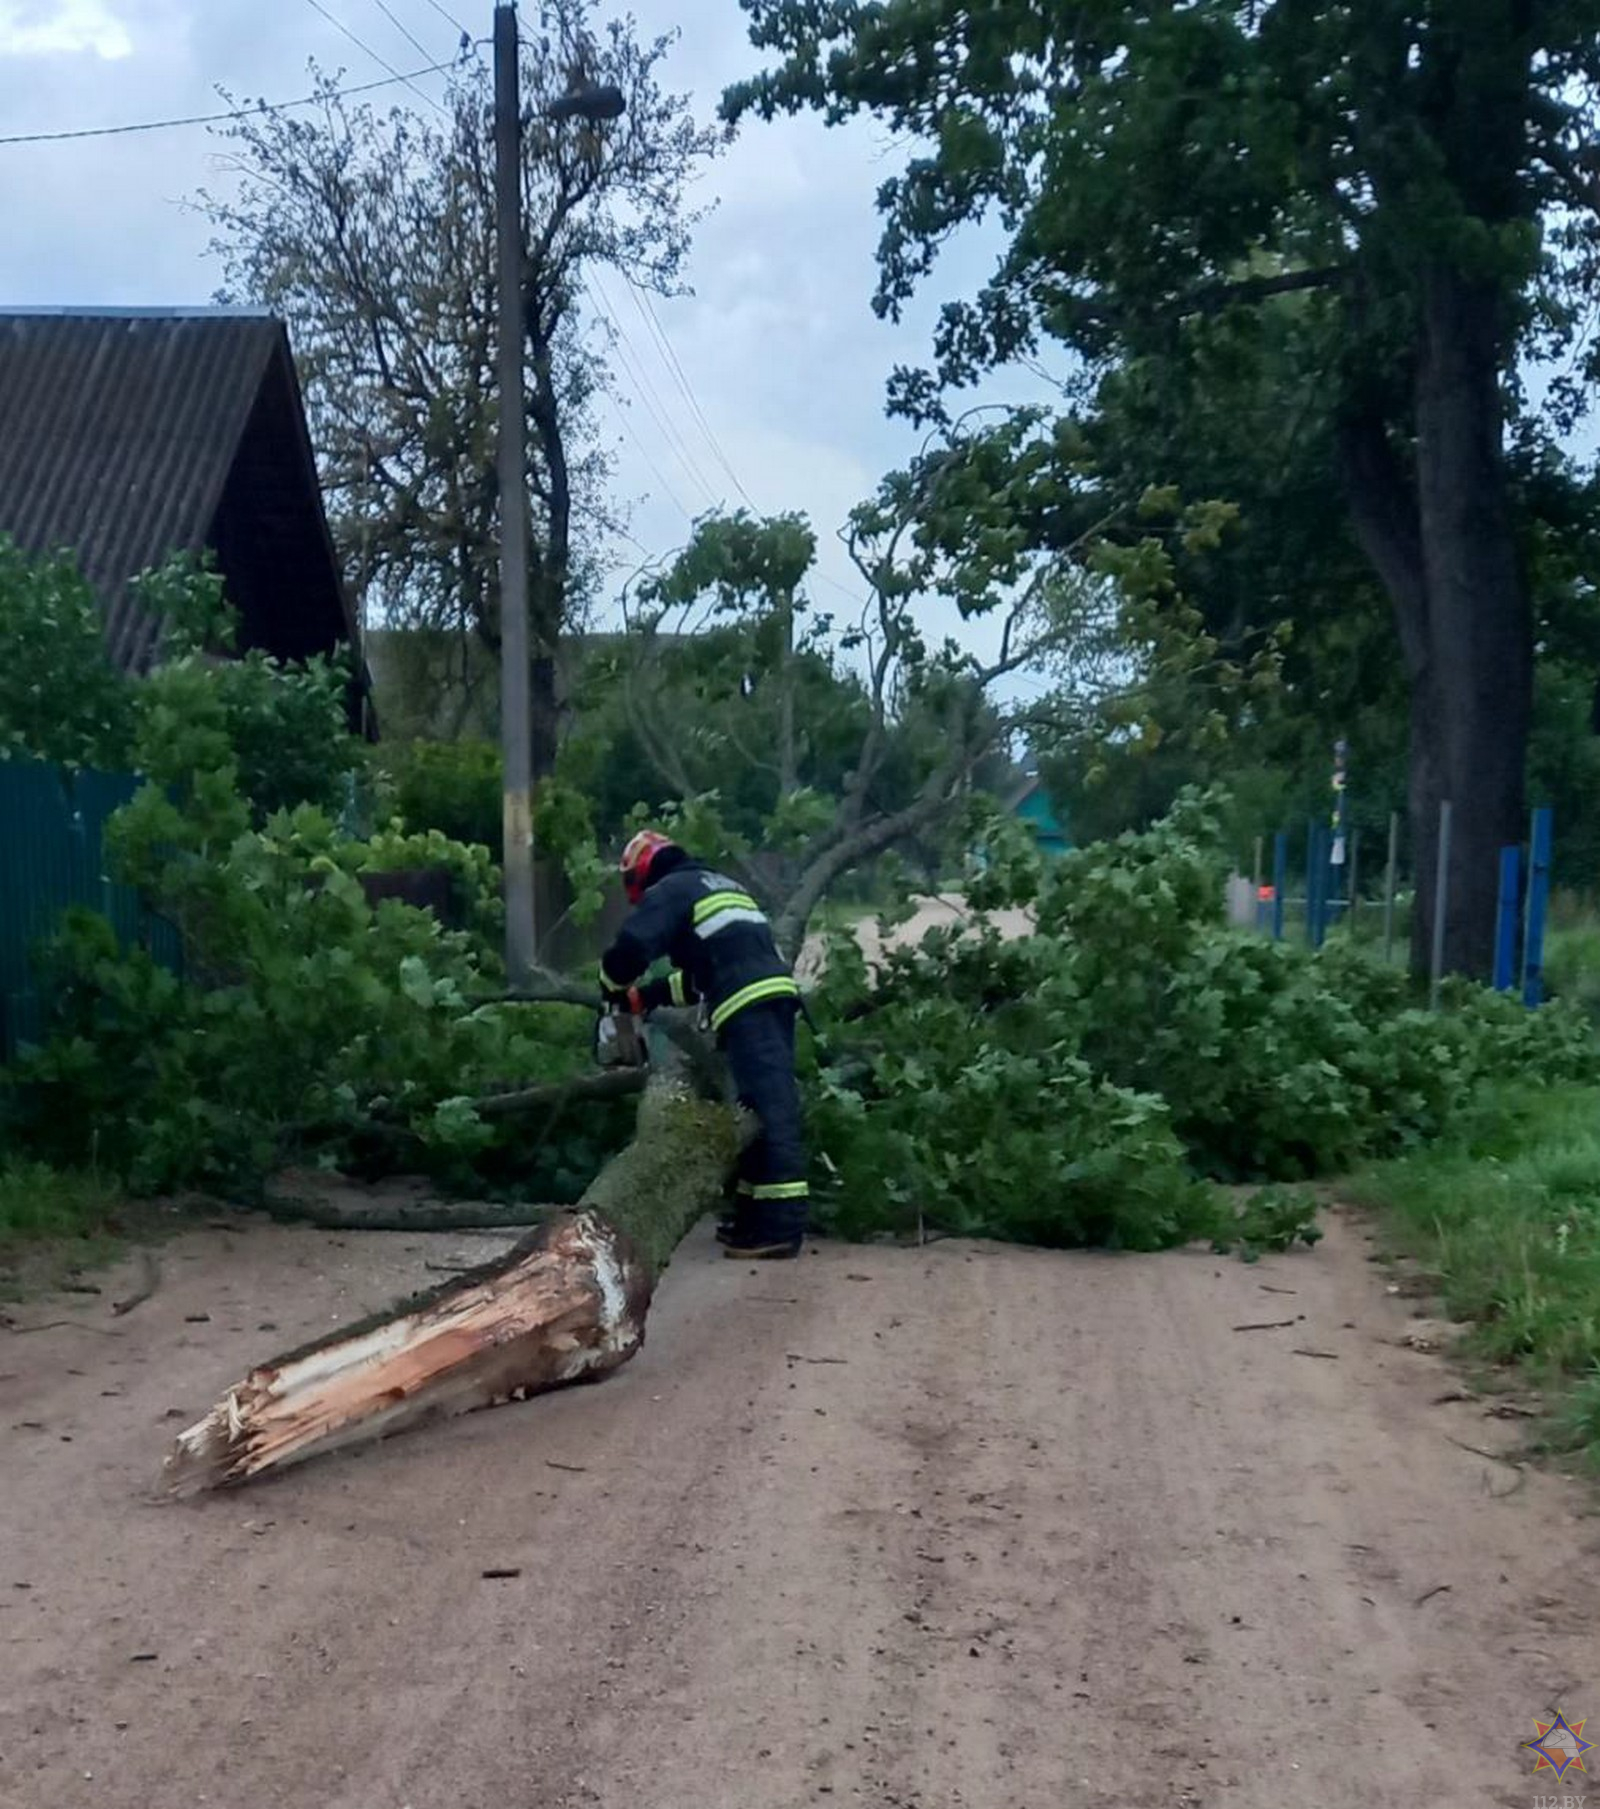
x=1441 y=902
x=1538 y=907
x=1280 y=880
x=1317 y=886
x=1390 y=878
x=1505 y=941
x=1311 y=885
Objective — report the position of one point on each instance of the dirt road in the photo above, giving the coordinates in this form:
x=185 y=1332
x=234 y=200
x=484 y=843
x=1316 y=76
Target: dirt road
x=960 y=1528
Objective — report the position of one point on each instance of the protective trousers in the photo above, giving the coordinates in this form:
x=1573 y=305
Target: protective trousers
x=774 y=1195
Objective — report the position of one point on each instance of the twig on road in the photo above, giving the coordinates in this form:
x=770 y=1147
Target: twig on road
x=149 y=1281
x=1495 y=1457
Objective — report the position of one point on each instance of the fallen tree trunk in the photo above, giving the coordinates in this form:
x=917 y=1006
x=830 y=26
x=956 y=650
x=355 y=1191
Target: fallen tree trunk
x=566 y=1304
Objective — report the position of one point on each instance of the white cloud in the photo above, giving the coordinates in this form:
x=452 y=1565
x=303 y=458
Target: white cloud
x=49 y=28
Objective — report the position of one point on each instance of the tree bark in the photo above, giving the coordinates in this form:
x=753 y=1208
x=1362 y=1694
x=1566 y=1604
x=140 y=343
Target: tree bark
x=1440 y=537
x=1473 y=712
x=566 y=1304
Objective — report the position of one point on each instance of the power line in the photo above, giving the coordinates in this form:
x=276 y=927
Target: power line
x=382 y=61
x=214 y=119
x=647 y=313
x=660 y=477
x=647 y=393
x=646 y=305
x=400 y=26
x=450 y=19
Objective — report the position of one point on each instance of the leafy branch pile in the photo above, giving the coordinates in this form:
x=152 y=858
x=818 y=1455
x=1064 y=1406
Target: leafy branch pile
x=309 y=1023
x=1076 y=1086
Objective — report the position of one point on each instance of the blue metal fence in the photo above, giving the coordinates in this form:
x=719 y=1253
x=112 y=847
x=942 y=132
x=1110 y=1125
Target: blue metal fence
x=52 y=856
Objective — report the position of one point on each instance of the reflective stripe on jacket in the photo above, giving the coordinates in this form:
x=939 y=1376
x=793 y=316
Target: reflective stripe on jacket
x=715 y=935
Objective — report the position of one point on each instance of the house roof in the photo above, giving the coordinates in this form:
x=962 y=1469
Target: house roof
x=1021 y=789
x=121 y=430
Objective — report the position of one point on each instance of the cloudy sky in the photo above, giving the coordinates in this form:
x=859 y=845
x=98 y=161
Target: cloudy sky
x=778 y=343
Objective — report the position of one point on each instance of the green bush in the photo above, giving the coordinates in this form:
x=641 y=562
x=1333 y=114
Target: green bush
x=1572 y=965
x=454 y=787
x=324 y=1031
x=38 y=1202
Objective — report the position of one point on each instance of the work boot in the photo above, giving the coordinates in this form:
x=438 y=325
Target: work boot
x=753 y=1244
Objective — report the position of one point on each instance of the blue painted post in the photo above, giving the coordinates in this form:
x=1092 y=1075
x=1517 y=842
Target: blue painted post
x=1316 y=883
x=1280 y=880
x=1538 y=907
x=1505 y=941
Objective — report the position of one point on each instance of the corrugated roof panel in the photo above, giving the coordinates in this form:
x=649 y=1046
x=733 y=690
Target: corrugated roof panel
x=117 y=432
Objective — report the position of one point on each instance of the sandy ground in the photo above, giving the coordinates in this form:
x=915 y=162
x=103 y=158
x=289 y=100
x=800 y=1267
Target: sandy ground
x=954 y=1528
x=929 y=913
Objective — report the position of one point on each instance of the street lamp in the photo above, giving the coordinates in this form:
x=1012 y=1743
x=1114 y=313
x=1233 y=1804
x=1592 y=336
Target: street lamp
x=594 y=103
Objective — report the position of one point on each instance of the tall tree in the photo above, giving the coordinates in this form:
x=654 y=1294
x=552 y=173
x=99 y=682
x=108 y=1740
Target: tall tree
x=374 y=236
x=1070 y=583
x=1419 y=178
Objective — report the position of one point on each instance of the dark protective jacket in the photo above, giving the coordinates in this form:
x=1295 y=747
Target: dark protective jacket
x=712 y=931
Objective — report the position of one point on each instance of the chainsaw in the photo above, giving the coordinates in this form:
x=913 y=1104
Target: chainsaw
x=619 y=1040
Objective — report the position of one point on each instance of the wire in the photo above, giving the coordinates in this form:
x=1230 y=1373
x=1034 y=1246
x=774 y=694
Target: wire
x=382 y=61
x=643 y=301
x=213 y=119
x=660 y=477
x=400 y=26
x=647 y=393
x=450 y=19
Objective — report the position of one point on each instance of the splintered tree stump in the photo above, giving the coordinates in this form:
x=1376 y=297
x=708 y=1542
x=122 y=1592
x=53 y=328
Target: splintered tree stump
x=566 y=1304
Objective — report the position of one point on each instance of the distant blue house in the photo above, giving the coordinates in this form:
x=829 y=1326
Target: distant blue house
x=1030 y=804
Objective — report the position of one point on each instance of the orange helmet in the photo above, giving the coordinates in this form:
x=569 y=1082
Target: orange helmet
x=639 y=857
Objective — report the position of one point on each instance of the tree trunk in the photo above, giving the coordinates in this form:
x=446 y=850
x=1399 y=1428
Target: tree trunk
x=1440 y=537
x=566 y=1304
x=1473 y=709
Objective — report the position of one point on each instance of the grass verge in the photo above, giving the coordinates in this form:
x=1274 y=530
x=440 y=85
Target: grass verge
x=52 y=1222
x=1506 y=1213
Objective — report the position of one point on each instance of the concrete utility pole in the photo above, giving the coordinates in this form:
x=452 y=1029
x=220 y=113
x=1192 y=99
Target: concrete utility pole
x=594 y=103
x=516 y=727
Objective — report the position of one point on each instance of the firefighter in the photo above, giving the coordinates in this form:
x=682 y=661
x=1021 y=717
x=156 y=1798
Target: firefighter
x=724 y=959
